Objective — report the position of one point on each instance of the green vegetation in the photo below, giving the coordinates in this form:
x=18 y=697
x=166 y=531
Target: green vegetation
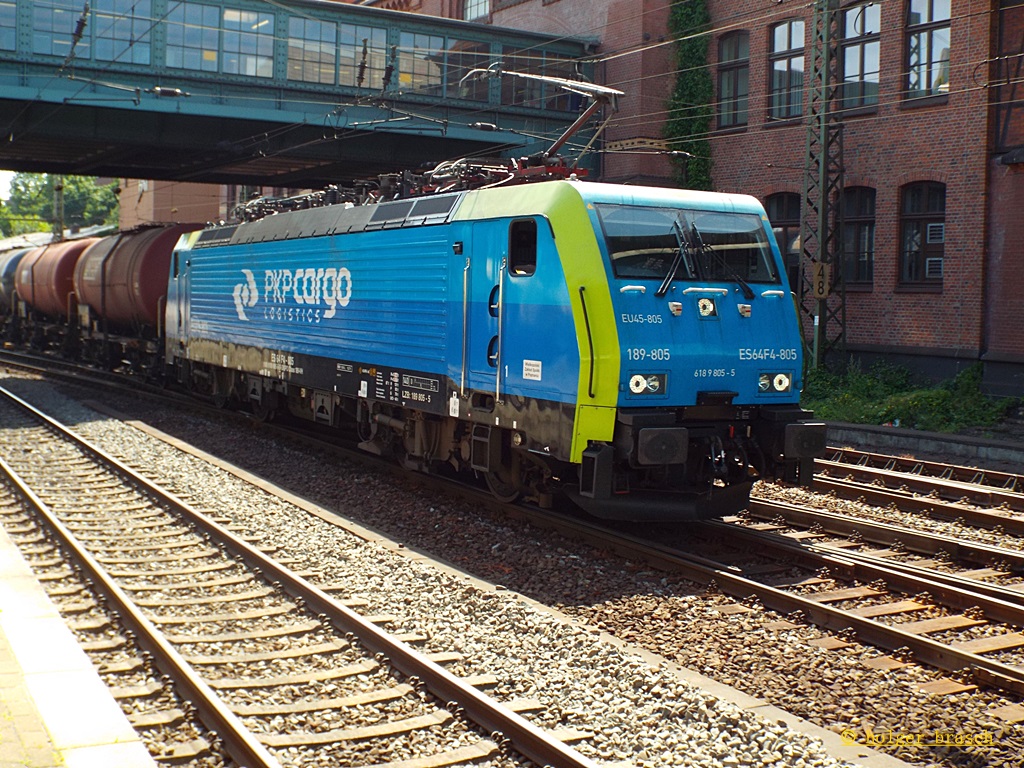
x=887 y=394
x=30 y=206
x=690 y=105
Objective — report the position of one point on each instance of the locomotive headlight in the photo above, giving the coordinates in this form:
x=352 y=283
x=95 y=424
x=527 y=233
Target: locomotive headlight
x=774 y=382
x=647 y=384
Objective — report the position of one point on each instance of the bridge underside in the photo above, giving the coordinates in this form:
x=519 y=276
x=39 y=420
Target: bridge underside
x=117 y=142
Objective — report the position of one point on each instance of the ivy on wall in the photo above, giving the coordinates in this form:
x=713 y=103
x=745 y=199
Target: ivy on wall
x=691 y=103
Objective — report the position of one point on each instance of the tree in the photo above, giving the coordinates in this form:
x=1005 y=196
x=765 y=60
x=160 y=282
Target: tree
x=11 y=224
x=690 y=105
x=86 y=204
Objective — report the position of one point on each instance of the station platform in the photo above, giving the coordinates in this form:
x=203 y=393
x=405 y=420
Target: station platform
x=55 y=711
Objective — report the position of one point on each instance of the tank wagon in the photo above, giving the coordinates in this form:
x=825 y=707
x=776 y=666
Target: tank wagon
x=44 y=281
x=8 y=269
x=101 y=298
x=634 y=348
x=120 y=285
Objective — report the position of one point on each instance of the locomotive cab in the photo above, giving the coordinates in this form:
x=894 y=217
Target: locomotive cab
x=710 y=359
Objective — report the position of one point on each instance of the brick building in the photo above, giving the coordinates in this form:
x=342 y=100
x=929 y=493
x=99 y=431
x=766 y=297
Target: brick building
x=931 y=98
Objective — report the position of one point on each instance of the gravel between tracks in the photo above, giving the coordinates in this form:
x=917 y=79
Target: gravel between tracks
x=639 y=714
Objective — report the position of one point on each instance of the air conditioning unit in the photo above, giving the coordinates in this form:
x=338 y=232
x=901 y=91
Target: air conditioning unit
x=933 y=268
x=936 y=233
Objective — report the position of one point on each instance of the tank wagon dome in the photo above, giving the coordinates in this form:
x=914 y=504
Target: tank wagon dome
x=8 y=269
x=123 y=278
x=45 y=276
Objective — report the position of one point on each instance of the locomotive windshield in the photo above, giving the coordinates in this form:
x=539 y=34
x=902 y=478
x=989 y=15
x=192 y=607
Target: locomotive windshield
x=687 y=244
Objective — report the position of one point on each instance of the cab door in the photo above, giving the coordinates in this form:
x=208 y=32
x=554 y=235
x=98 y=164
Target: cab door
x=486 y=284
x=176 y=314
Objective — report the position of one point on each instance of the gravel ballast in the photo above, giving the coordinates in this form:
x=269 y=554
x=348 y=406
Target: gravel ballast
x=639 y=712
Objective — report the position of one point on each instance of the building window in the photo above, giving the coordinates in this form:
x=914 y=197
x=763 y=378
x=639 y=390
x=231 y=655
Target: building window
x=8 y=26
x=122 y=31
x=193 y=37
x=922 y=233
x=859 y=55
x=733 y=79
x=474 y=10
x=311 y=46
x=555 y=97
x=928 y=48
x=520 y=91
x=786 y=60
x=362 y=56
x=463 y=57
x=784 y=214
x=421 y=63
x=248 y=43
x=859 y=235
x=53 y=26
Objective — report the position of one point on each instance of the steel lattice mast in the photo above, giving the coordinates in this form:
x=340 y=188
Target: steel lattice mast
x=822 y=289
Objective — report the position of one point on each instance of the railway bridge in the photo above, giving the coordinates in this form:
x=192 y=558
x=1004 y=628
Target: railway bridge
x=284 y=93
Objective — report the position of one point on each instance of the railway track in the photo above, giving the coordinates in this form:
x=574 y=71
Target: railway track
x=952 y=475
x=890 y=540
x=982 y=498
x=282 y=672
x=929 y=648
x=955 y=609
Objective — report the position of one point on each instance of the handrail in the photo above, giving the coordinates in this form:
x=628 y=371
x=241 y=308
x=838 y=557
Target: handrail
x=590 y=342
x=497 y=353
x=465 y=325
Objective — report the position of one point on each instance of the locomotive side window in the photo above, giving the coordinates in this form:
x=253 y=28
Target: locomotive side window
x=522 y=248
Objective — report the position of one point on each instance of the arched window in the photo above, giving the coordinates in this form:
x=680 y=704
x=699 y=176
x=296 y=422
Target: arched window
x=733 y=79
x=859 y=235
x=786 y=61
x=922 y=234
x=784 y=214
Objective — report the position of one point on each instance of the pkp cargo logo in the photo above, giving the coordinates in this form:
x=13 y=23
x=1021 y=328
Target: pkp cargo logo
x=246 y=294
x=306 y=295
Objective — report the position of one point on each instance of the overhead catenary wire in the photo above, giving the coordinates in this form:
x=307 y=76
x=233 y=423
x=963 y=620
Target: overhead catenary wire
x=654 y=117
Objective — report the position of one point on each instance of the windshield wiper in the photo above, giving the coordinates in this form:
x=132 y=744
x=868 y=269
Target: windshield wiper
x=684 y=246
x=748 y=292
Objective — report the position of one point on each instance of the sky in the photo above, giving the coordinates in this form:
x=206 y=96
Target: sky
x=5 y=184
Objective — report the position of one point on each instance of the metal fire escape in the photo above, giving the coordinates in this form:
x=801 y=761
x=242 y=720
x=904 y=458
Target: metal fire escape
x=822 y=289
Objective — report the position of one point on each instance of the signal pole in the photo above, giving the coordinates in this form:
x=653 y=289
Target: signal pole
x=822 y=288
x=58 y=209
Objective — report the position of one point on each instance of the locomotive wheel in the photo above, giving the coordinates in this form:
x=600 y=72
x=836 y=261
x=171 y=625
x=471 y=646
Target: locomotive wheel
x=265 y=411
x=503 y=485
x=506 y=481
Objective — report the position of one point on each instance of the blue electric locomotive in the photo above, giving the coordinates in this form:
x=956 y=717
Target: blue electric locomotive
x=634 y=348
